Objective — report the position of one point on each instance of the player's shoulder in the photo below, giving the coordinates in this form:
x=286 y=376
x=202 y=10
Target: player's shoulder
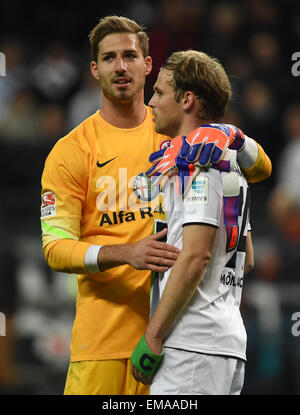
x=82 y=130
x=76 y=139
x=232 y=181
x=226 y=183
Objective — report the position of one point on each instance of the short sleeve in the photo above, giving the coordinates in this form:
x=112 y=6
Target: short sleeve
x=203 y=202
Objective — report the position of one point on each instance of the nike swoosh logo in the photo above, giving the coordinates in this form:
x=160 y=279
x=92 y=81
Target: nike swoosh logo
x=103 y=164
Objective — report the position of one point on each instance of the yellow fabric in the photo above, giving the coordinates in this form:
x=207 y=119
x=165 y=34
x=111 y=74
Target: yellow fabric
x=107 y=377
x=112 y=307
x=261 y=169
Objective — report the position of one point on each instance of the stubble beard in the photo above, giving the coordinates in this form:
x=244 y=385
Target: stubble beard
x=162 y=128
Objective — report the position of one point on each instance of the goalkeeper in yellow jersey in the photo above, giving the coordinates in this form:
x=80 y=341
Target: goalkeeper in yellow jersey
x=95 y=222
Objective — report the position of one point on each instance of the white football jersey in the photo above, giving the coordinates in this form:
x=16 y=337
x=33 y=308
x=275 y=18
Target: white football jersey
x=211 y=323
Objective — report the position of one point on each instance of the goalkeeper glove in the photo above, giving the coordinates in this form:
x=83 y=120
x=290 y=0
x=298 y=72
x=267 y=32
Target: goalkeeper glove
x=164 y=161
x=208 y=143
x=185 y=156
x=204 y=146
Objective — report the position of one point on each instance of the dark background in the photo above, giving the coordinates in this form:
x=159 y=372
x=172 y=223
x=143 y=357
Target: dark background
x=48 y=90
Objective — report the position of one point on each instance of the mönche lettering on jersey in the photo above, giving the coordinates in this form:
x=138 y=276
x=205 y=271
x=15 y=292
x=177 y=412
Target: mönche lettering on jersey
x=115 y=218
x=229 y=278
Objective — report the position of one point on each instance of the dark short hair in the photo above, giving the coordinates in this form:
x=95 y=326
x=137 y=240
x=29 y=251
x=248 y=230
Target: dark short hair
x=117 y=24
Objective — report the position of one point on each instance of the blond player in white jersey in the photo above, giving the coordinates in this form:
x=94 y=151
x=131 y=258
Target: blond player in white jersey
x=195 y=342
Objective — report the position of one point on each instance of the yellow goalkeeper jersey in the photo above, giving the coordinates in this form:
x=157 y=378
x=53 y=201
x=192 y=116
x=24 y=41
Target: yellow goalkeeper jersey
x=88 y=195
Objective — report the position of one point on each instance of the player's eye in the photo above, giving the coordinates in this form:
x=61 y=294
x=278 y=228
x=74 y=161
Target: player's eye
x=130 y=55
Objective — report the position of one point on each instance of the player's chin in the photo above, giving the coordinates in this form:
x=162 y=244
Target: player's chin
x=157 y=126
x=126 y=95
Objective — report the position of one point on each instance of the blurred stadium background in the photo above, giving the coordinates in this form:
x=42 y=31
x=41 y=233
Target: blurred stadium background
x=48 y=90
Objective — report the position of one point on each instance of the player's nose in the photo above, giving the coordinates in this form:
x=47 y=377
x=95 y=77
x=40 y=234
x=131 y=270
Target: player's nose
x=152 y=102
x=120 y=65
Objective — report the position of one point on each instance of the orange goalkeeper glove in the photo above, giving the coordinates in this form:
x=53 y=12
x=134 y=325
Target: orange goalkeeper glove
x=185 y=156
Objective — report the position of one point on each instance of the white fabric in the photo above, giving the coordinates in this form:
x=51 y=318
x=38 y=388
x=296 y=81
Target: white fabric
x=211 y=323
x=91 y=258
x=189 y=373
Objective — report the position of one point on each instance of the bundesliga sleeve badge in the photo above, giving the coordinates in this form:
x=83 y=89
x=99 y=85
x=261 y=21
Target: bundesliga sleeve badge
x=48 y=205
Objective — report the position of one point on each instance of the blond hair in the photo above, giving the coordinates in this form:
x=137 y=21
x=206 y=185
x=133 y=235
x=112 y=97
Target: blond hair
x=204 y=76
x=117 y=24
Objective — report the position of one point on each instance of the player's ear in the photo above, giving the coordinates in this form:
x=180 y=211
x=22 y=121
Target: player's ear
x=148 y=65
x=188 y=100
x=94 y=70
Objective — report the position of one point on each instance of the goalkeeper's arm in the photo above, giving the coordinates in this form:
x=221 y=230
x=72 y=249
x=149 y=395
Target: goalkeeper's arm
x=79 y=257
x=253 y=161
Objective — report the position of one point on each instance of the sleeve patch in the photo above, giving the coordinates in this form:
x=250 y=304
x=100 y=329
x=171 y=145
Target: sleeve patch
x=198 y=193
